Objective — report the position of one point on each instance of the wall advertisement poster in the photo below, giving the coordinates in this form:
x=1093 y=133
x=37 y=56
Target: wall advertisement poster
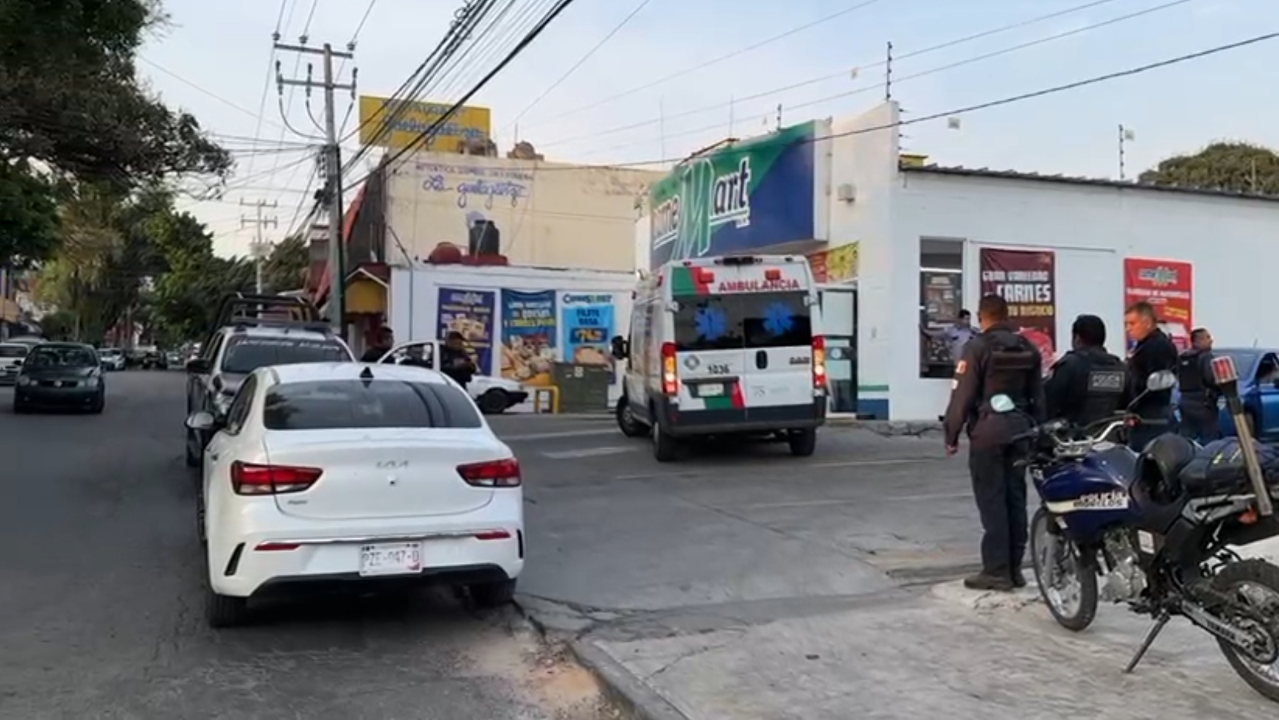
x=469 y=312
x=1168 y=285
x=1027 y=280
x=529 y=336
x=587 y=328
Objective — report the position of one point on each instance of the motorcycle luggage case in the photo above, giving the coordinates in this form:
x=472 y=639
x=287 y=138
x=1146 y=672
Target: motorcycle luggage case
x=1218 y=469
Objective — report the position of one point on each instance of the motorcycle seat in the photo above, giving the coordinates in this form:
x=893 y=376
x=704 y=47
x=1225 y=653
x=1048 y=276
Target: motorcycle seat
x=1218 y=468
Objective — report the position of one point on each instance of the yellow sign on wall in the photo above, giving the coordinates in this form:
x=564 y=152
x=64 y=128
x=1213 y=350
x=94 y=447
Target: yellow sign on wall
x=841 y=263
x=380 y=125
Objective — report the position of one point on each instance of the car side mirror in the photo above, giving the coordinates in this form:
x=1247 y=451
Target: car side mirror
x=620 y=347
x=203 y=422
x=198 y=366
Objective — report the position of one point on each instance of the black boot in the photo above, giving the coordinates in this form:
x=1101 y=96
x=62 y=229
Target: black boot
x=1019 y=579
x=986 y=581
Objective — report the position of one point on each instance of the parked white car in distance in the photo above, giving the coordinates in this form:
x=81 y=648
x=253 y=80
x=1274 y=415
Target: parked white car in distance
x=352 y=473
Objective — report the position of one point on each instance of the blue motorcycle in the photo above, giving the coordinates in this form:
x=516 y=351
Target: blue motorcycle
x=1155 y=530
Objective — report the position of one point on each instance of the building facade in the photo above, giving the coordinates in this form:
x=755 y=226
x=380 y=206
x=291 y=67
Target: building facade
x=908 y=244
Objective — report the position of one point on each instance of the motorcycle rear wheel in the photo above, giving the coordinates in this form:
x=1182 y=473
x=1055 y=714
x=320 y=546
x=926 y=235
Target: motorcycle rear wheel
x=1068 y=584
x=1234 y=579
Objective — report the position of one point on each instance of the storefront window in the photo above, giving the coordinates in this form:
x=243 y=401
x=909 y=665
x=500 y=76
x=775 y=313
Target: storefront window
x=941 y=288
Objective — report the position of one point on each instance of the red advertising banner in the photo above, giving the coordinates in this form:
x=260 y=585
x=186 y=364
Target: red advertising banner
x=1168 y=285
x=1027 y=279
x=817 y=261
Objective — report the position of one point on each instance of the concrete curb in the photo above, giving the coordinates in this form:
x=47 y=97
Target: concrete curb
x=636 y=700
x=887 y=428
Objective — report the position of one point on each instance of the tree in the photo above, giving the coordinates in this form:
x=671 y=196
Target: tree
x=287 y=266
x=28 y=216
x=1229 y=166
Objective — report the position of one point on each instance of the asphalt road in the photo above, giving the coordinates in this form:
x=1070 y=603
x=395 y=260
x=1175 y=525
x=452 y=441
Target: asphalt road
x=100 y=601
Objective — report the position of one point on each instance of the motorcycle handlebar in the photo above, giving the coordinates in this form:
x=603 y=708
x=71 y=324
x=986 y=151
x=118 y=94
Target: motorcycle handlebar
x=1053 y=429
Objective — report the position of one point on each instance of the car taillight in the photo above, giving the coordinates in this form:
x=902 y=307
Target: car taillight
x=670 y=380
x=819 y=364
x=253 y=479
x=493 y=473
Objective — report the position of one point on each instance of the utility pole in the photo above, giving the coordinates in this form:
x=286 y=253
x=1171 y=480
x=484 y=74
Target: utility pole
x=1126 y=135
x=260 y=248
x=888 y=74
x=332 y=166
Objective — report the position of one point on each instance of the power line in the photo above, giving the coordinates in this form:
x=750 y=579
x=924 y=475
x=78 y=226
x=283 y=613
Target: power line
x=880 y=63
x=714 y=61
x=975 y=107
x=616 y=29
x=917 y=75
x=200 y=88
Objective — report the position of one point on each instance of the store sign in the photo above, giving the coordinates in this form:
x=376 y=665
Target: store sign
x=753 y=194
x=1168 y=285
x=1027 y=280
x=398 y=124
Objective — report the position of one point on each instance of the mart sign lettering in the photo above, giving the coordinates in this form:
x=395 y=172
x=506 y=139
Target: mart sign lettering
x=750 y=195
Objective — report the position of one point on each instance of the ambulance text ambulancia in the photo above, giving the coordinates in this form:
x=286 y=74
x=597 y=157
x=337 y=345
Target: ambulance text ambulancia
x=724 y=346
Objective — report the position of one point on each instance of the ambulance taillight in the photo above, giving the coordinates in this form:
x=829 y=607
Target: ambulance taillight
x=670 y=381
x=819 y=365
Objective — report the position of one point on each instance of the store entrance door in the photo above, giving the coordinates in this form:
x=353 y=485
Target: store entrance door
x=839 y=324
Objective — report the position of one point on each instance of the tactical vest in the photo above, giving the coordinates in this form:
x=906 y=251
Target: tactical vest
x=1106 y=377
x=1190 y=377
x=1009 y=369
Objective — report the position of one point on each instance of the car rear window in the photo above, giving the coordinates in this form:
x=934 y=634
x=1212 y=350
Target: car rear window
x=749 y=320
x=337 y=404
x=246 y=354
x=13 y=351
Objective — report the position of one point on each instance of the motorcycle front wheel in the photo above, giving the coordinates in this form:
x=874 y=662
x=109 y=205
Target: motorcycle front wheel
x=1254 y=583
x=1067 y=582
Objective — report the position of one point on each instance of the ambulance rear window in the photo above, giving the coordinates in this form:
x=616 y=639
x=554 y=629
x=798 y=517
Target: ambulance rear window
x=745 y=320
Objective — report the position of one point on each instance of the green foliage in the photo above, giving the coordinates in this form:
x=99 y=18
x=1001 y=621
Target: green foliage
x=287 y=266
x=1233 y=167
x=28 y=216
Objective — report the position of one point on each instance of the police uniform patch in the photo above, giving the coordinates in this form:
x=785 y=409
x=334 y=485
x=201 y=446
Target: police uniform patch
x=960 y=367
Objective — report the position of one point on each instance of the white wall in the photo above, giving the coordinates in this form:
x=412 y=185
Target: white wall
x=1230 y=242
x=414 y=295
x=868 y=162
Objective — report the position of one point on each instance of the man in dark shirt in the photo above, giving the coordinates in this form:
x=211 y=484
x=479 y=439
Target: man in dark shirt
x=383 y=341
x=1199 y=391
x=1087 y=384
x=1153 y=352
x=997 y=362
x=455 y=360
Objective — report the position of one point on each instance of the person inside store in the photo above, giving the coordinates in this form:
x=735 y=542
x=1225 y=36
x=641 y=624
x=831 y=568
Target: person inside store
x=455 y=359
x=1087 y=384
x=998 y=361
x=1199 y=393
x=1153 y=352
x=383 y=341
x=955 y=336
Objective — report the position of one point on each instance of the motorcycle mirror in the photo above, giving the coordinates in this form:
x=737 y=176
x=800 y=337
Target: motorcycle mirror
x=1002 y=404
x=1161 y=380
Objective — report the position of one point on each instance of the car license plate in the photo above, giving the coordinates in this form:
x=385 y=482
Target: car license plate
x=710 y=390
x=391 y=559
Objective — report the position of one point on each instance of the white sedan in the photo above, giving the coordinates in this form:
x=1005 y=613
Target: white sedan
x=333 y=473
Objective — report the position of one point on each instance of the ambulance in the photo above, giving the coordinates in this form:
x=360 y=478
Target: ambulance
x=724 y=346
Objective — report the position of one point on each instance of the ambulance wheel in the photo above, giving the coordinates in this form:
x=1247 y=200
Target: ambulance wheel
x=665 y=447
x=626 y=420
x=802 y=442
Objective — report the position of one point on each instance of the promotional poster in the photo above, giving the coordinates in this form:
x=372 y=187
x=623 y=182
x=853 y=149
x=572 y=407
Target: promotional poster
x=1027 y=280
x=469 y=312
x=529 y=330
x=587 y=329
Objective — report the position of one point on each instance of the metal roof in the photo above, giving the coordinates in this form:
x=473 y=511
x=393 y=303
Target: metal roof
x=1074 y=180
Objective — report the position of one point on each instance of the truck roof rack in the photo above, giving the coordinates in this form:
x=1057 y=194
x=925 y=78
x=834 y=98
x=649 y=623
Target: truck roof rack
x=242 y=310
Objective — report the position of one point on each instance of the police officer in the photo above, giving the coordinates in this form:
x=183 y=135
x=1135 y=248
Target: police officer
x=1152 y=353
x=1198 y=389
x=1087 y=384
x=997 y=361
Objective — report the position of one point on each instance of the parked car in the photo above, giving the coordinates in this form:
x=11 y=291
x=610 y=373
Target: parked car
x=62 y=375
x=11 y=357
x=1258 y=370
x=493 y=395
x=153 y=359
x=354 y=473
x=112 y=358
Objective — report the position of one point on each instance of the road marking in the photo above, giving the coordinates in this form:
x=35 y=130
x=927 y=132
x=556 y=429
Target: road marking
x=715 y=471
x=588 y=452
x=563 y=434
x=857 y=501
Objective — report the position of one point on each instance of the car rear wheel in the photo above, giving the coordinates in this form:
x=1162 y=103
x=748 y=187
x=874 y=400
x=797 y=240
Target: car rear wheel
x=222 y=611
x=665 y=447
x=492 y=594
x=494 y=402
x=192 y=457
x=802 y=442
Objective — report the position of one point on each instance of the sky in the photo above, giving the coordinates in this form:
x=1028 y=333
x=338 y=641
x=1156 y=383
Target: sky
x=703 y=70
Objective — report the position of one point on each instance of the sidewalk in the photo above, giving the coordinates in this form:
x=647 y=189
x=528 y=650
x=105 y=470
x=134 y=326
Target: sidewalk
x=945 y=653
